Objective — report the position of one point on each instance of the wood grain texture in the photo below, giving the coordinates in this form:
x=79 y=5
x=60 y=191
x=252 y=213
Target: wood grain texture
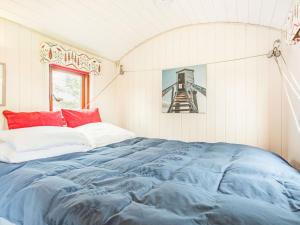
x=114 y=27
x=292 y=54
x=244 y=102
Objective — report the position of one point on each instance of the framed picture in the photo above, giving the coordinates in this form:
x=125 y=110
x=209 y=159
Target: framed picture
x=184 y=89
x=2 y=84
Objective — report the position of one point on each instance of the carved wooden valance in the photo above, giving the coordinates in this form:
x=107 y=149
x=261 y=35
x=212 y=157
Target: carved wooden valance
x=53 y=53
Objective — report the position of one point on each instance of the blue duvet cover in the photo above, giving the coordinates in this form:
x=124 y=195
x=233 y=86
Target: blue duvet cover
x=153 y=182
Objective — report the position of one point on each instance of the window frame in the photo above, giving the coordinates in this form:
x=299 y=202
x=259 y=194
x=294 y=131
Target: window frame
x=85 y=88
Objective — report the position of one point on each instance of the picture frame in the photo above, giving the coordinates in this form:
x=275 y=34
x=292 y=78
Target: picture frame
x=184 y=89
x=2 y=84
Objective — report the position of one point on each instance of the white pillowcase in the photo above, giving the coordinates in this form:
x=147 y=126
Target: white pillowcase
x=9 y=155
x=27 y=144
x=101 y=134
x=39 y=138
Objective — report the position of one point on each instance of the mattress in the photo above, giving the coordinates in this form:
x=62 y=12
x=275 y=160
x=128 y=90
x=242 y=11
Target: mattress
x=153 y=181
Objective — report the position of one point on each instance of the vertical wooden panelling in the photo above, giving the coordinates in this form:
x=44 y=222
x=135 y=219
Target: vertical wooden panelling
x=230 y=83
x=25 y=66
x=28 y=79
x=292 y=55
x=220 y=91
x=251 y=85
x=211 y=85
x=238 y=95
x=11 y=48
x=2 y=52
x=240 y=90
x=220 y=102
x=275 y=103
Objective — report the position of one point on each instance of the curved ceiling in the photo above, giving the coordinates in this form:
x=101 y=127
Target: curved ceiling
x=110 y=28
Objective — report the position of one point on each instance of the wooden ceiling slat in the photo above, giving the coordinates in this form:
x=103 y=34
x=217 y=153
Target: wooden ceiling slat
x=113 y=27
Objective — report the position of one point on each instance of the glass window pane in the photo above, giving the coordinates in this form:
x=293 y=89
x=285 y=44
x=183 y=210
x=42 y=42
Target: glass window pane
x=66 y=90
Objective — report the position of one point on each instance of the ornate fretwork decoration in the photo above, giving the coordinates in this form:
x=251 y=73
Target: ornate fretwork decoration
x=53 y=53
x=293 y=24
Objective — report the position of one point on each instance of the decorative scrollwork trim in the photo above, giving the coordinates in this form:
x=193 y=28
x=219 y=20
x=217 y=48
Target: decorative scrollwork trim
x=57 y=54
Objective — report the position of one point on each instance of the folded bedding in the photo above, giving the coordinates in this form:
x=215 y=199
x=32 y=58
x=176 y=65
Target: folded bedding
x=9 y=155
x=25 y=144
x=101 y=134
x=43 y=137
x=153 y=182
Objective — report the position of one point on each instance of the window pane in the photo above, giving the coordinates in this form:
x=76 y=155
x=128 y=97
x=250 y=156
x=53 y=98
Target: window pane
x=1 y=82
x=66 y=88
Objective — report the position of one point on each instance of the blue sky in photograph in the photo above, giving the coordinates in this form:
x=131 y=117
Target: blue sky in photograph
x=169 y=76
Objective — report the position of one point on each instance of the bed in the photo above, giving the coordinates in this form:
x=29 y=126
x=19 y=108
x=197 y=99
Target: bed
x=144 y=181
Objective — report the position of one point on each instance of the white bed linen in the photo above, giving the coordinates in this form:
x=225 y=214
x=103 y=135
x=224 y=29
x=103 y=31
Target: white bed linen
x=101 y=134
x=39 y=138
x=9 y=155
x=37 y=146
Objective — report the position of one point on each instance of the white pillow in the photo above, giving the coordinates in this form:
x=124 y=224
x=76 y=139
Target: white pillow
x=9 y=155
x=101 y=134
x=37 y=138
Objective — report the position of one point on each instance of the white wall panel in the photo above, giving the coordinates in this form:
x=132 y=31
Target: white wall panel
x=292 y=54
x=243 y=97
x=28 y=79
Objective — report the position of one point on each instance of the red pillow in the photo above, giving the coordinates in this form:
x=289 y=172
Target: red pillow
x=75 y=118
x=32 y=119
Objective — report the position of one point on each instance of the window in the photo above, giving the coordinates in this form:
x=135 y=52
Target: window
x=69 y=88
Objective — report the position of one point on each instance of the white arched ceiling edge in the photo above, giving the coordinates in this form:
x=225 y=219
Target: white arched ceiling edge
x=117 y=62
x=192 y=25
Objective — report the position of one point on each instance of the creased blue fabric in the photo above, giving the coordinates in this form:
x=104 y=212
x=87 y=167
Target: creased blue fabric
x=153 y=182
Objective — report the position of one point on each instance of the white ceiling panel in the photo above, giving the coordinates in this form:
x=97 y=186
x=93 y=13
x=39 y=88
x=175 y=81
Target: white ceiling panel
x=219 y=10
x=280 y=13
x=267 y=13
x=242 y=10
x=208 y=10
x=254 y=13
x=231 y=10
x=111 y=28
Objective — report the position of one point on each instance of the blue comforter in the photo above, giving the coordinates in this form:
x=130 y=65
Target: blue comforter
x=153 y=182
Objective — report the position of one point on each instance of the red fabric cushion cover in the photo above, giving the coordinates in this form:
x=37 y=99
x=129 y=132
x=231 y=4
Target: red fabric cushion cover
x=75 y=118
x=32 y=119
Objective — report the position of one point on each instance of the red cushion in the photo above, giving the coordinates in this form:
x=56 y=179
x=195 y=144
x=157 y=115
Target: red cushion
x=75 y=118
x=32 y=119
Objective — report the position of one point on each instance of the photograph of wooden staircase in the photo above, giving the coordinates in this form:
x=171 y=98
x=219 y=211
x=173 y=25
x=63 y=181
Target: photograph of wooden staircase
x=182 y=92
x=181 y=103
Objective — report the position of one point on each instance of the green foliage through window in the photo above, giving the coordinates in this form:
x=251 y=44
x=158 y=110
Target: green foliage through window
x=66 y=90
